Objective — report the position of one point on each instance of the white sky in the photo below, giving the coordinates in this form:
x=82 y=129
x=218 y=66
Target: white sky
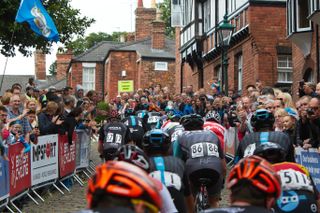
x=110 y=16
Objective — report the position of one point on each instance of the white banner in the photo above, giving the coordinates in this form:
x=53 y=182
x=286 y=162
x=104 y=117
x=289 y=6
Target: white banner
x=83 y=149
x=44 y=159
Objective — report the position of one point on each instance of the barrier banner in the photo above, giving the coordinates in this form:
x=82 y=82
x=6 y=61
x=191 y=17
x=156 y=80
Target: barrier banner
x=83 y=149
x=231 y=141
x=44 y=159
x=4 y=177
x=311 y=160
x=67 y=155
x=19 y=169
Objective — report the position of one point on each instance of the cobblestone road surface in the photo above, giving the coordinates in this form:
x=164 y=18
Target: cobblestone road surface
x=75 y=201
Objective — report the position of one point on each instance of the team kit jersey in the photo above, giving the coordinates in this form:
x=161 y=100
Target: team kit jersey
x=171 y=172
x=251 y=141
x=299 y=193
x=113 y=135
x=217 y=129
x=136 y=127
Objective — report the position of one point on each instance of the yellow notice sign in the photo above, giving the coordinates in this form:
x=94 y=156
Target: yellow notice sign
x=125 y=86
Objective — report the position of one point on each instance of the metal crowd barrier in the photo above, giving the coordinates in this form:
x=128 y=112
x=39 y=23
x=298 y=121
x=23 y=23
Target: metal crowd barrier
x=51 y=161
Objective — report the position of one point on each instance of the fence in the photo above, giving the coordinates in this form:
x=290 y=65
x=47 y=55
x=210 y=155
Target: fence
x=49 y=162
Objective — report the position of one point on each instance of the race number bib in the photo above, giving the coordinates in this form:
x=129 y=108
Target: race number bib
x=170 y=179
x=204 y=149
x=153 y=119
x=249 y=150
x=110 y=137
x=293 y=180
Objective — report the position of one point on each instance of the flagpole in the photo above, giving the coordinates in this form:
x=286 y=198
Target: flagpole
x=7 y=57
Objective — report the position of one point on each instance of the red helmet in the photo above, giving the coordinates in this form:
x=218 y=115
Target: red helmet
x=113 y=114
x=125 y=180
x=258 y=172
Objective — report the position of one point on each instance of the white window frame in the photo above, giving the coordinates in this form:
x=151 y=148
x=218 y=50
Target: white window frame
x=207 y=15
x=298 y=17
x=161 y=66
x=218 y=70
x=287 y=69
x=240 y=71
x=87 y=82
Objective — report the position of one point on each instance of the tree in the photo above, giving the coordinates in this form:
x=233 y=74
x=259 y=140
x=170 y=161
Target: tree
x=82 y=44
x=53 y=68
x=68 y=21
x=165 y=8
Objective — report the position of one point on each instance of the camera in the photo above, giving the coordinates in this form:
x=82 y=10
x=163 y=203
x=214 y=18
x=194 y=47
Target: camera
x=310 y=111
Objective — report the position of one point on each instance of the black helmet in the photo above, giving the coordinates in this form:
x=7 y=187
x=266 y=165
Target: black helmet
x=192 y=121
x=128 y=112
x=156 y=140
x=134 y=155
x=262 y=118
x=270 y=151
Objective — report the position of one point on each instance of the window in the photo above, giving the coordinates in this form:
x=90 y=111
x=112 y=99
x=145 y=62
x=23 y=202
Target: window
x=285 y=69
x=187 y=9
x=161 y=66
x=218 y=72
x=239 y=61
x=88 y=76
x=207 y=15
x=303 y=13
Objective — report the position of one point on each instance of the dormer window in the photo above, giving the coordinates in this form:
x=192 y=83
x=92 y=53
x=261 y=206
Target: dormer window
x=297 y=16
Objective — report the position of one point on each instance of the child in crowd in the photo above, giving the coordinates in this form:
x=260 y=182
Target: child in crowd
x=14 y=135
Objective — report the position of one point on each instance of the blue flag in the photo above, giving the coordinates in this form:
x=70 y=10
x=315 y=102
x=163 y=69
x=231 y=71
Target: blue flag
x=39 y=20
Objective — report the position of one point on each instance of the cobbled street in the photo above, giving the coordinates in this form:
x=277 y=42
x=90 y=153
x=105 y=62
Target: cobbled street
x=76 y=199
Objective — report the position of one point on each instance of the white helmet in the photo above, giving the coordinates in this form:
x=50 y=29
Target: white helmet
x=213 y=116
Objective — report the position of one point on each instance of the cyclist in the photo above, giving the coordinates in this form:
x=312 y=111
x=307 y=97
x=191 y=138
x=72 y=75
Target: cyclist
x=112 y=135
x=213 y=123
x=202 y=152
x=172 y=126
x=122 y=187
x=262 y=121
x=255 y=187
x=167 y=169
x=299 y=193
x=134 y=155
x=136 y=126
x=154 y=120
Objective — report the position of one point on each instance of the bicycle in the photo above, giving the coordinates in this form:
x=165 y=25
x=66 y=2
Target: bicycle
x=202 y=198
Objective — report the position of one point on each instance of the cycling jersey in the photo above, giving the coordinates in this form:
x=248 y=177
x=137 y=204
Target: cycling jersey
x=202 y=152
x=239 y=209
x=217 y=129
x=113 y=135
x=249 y=143
x=171 y=172
x=173 y=129
x=154 y=120
x=136 y=127
x=299 y=193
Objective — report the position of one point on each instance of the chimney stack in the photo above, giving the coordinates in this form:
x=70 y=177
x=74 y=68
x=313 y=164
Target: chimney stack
x=144 y=18
x=40 y=65
x=63 y=61
x=158 y=33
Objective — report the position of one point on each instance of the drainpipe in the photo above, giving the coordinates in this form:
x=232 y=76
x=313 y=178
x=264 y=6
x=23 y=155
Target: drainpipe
x=317 y=53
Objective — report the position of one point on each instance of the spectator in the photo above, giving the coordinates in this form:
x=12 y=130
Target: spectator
x=318 y=89
x=49 y=121
x=279 y=114
x=79 y=92
x=309 y=88
x=289 y=126
x=16 y=136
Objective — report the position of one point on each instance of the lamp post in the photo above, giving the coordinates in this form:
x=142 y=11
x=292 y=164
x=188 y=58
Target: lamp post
x=225 y=31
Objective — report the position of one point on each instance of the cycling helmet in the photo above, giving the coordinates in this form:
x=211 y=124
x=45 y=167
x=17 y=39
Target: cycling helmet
x=128 y=112
x=134 y=155
x=262 y=118
x=257 y=172
x=121 y=179
x=192 y=121
x=272 y=152
x=156 y=140
x=213 y=116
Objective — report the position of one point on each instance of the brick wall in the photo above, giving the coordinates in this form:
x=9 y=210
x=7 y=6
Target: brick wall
x=40 y=65
x=144 y=18
x=267 y=27
x=63 y=61
x=158 y=35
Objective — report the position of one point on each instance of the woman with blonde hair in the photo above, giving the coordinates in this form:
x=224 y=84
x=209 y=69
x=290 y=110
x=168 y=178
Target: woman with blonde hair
x=279 y=114
x=286 y=99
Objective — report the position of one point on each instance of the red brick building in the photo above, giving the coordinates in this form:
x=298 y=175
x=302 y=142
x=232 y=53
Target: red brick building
x=303 y=18
x=259 y=48
x=147 y=58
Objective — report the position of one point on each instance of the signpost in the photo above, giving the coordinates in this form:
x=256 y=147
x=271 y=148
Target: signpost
x=125 y=86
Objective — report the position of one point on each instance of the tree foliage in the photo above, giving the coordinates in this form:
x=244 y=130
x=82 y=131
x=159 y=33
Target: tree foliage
x=68 y=21
x=53 y=68
x=82 y=44
x=165 y=8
